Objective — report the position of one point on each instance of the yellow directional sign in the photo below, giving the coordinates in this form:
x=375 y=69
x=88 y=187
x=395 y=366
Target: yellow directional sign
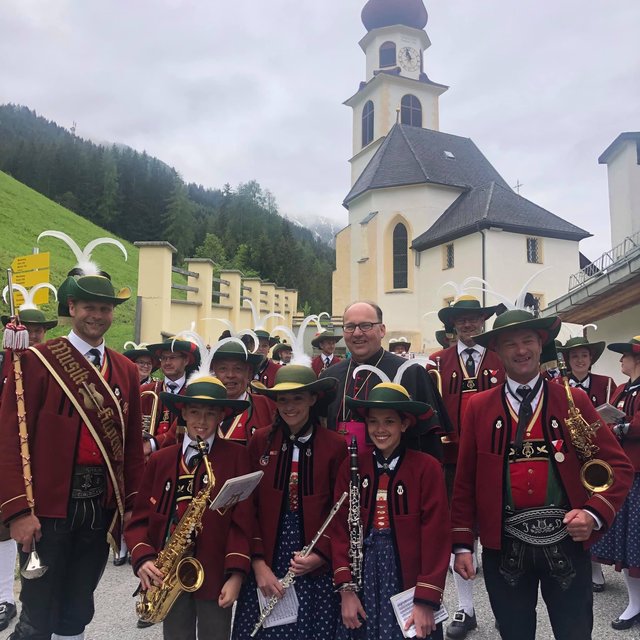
x=31 y=262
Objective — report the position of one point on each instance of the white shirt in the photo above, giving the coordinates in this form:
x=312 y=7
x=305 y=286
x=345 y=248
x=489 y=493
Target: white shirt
x=515 y=400
x=180 y=382
x=188 y=451
x=84 y=347
x=296 y=451
x=478 y=352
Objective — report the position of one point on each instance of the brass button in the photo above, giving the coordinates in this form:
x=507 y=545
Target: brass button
x=530 y=471
x=530 y=491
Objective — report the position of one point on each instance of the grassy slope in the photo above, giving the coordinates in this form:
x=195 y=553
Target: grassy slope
x=24 y=214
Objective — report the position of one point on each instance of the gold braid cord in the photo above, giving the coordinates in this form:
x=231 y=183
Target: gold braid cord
x=22 y=430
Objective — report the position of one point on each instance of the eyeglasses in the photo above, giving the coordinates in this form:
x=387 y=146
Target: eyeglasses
x=363 y=326
x=146 y=365
x=169 y=358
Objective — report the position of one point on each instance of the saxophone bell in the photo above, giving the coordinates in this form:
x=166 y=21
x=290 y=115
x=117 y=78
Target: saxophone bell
x=190 y=574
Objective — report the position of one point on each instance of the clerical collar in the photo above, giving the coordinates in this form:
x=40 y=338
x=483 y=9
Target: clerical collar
x=385 y=465
x=374 y=359
x=462 y=347
x=84 y=347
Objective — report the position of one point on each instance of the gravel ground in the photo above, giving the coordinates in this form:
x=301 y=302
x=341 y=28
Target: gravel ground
x=115 y=617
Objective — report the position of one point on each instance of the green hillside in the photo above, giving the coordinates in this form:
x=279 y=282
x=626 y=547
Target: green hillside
x=24 y=214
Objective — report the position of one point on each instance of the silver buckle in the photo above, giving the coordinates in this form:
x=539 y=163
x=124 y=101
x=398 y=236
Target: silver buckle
x=459 y=616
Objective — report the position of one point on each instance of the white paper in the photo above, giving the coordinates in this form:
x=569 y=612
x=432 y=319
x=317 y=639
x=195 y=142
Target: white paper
x=285 y=612
x=235 y=490
x=402 y=604
x=609 y=413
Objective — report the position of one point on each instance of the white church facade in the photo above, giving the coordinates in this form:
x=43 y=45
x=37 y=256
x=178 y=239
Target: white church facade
x=427 y=207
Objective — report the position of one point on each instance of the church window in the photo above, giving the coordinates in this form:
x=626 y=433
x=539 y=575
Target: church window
x=387 y=54
x=534 y=250
x=400 y=265
x=411 y=111
x=367 y=123
x=448 y=256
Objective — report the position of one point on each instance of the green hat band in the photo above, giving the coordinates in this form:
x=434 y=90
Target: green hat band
x=209 y=388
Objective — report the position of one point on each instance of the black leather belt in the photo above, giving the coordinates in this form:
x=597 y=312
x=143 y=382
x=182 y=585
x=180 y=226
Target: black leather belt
x=88 y=482
x=539 y=527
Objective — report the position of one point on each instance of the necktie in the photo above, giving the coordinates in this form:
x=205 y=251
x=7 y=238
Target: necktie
x=525 y=413
x=94 y=357
x=195 y=459
x=470 y=364
x=327 y=360
x=172 y=386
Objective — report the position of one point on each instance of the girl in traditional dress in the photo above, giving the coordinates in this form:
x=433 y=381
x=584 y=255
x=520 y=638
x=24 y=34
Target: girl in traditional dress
x=404 y=512
x=300 y=461
x=621 y=545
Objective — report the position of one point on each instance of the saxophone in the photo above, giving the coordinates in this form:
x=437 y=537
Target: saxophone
x=353 y=519
x=182 y=572
x=596 y=475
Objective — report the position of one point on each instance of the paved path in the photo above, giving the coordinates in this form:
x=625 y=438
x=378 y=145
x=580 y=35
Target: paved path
x=115 y=617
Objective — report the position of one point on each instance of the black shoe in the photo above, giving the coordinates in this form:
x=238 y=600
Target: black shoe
x=142 y=624
x=619 y=624
x=118 y=562
x=461 y=624
x=7 y=612
x=598 y=588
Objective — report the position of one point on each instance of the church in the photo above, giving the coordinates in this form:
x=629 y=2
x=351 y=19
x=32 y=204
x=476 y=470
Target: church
x=427 y=207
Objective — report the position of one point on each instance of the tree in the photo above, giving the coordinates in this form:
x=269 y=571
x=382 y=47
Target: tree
x=213 y=249
x=177 y=221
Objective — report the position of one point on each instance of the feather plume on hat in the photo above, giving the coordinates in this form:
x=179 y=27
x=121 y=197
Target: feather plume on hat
x=260 y=322
x=29 y=294
x=297 y=340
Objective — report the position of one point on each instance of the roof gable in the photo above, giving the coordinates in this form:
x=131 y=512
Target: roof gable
x=413 y=155
x=493 y=205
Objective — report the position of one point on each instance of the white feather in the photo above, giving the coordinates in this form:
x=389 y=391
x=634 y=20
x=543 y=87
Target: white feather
x=28 y=301
x=397 y=378
x=133 y=345
x=254 y=313
x=369 y=367
x=17 y=287
x=297 y=340
x=204 y=368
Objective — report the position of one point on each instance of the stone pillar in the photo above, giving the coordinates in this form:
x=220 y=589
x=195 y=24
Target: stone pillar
x=204 y=283
x=154 y=288
x=234 y=278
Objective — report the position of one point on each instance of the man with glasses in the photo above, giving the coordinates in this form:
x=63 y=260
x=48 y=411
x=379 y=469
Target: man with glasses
x=363 y=330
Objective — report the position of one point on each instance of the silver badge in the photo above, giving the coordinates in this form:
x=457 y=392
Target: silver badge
x=400 y=489
x=559 y=456
x=499 y=424
x=494 y=380
x=365 y=483
x=555 y=425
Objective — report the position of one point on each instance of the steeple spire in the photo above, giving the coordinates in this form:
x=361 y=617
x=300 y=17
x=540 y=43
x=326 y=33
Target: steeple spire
x=386 y=13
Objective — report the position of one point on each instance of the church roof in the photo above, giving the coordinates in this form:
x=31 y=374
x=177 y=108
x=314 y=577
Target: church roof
x=413 y=155
x=495 y=205
x=385 y=13
x=609 y=152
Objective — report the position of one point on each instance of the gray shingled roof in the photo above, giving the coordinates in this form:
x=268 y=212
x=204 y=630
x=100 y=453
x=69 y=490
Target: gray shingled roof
x=495 y=205
x=412 y=155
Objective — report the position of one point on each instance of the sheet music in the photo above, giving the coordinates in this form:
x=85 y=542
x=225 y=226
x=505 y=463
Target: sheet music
x=609 y=413
x=235 y=490
x=402 y=604
x=285 y=612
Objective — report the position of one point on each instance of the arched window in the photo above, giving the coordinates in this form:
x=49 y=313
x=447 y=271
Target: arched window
x=400 y=262
x=367 y=123
x=387 y=54
x=411 y=111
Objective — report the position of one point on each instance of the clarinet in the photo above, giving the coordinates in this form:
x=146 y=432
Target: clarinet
x=288 y=579
x=354 y=521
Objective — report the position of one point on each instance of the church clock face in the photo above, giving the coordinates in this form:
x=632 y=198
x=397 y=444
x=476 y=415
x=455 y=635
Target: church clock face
x=409 y=58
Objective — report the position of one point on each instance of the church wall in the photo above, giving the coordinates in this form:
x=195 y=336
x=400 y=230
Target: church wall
x=341 y=276
x=624 y=192
x=395 y=89
x=362 y=158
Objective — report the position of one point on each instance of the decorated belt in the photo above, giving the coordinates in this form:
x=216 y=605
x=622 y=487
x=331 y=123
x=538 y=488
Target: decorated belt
x=531 y=450
x=88 y=482
x=540 y=527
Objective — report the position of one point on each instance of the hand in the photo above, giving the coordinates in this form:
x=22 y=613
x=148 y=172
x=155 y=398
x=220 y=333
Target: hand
x=150 y=575
x=463 y=565
x=266 y=580
x=422 y=616
x=230 y=590
x=352 y=610
x=580 y=524
x=300 y=565
x=24 y=529
x=146 y=448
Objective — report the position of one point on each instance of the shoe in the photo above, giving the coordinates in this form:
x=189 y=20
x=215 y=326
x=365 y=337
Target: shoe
x=461 y=624
x=620 y=624
x=7 y=612
x=141 y=624
x=598 y=587
x=118 y=562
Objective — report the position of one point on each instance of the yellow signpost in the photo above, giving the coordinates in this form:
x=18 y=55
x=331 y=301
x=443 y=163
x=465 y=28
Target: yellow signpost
x=29 y=271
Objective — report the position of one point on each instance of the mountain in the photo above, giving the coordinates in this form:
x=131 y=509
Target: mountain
x=323 y=229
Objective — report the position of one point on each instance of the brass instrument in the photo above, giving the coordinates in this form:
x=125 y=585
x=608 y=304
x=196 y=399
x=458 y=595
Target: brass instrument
x=353 y=519
x=437 y=378
x=596 y=475
x=149 y=421
x=182 y=572
x=288 y=579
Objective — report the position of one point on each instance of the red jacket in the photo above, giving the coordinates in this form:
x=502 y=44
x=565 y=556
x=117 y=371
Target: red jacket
x=317 y=477
x=419 y=519
x=267 y=375
x=627 y=399
x=317 y=364
x=223 y=544
x=601 y=388
x=54 y=428
x=487 y=430
x=490 y=374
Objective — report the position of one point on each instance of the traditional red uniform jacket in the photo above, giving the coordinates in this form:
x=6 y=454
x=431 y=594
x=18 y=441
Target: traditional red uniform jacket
x=267 y=374
x=164 y=416
x=627 y=398
x=317 y=364
x=457 y=389
x=223 y=544
x=418 y=516
x=487 y=431
x=600 y=390
x=54 y=428
x=319 y=460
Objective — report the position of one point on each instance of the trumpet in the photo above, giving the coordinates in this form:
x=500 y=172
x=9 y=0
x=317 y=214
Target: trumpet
x=595 y=475
x=149 y=421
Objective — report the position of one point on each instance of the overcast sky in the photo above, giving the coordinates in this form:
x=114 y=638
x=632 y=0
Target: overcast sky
x=253 y=89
